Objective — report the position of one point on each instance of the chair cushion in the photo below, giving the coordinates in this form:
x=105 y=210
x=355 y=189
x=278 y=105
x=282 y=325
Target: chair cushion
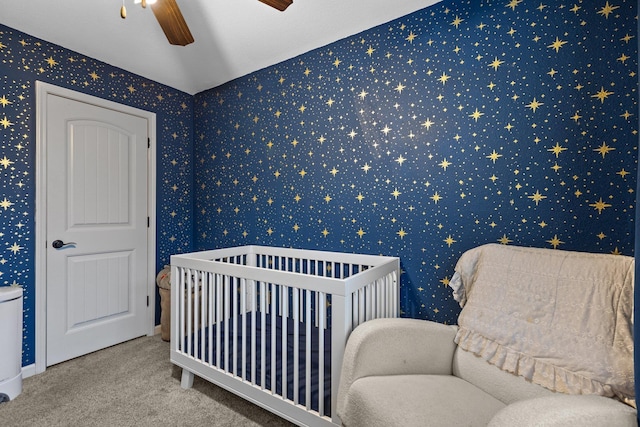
x=564 y=410
x=504 y=386
x=418 y=400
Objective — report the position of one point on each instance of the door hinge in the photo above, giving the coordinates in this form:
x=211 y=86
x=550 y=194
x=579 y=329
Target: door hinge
x=147 y=300
x=148 y=142
x=148 y=222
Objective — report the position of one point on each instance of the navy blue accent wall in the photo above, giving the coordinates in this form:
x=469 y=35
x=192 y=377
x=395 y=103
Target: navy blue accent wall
x=23 y=60
x=461 y=124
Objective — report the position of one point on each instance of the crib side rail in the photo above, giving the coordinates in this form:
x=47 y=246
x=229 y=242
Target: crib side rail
x=338 y=257
x=303 y=281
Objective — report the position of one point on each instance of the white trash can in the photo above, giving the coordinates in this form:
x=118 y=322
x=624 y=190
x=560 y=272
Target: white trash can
x=10 y=342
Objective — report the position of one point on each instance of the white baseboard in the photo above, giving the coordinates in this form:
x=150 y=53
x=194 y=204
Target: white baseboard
x=29 y=370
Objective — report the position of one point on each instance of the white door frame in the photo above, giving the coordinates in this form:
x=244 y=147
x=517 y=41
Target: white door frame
x=42 y=90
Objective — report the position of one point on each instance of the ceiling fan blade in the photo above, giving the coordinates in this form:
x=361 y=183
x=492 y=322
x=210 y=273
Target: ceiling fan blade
x=281 y=5
x=172 y=22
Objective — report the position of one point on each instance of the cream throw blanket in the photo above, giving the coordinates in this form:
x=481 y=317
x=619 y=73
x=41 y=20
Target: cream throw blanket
x=557 y=318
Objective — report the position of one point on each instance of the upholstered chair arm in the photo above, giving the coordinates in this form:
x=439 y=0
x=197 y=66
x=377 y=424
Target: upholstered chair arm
x=565 y=410
x=396 y=347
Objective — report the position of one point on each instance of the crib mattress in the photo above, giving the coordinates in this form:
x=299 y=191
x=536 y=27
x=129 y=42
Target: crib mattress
x=207 y=342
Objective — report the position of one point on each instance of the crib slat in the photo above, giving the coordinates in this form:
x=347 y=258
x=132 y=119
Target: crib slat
x=354 y=312
x=181 y=293
x=307 y=380
x=211 y=287
x=361 y=307
x=317 y=315
x=274 y=320
x=254 y=358
x=218 y=315
x=226 y=310
x=263 y=336
x=296 y=344
x=233 y=312
x=394 y=297
x=321 y=327
x=369 y=305
x=284 y=301
x=189 y=312
x=203 y=314
x=242 y=336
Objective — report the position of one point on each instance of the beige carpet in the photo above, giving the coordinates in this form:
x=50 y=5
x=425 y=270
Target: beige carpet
x=131 y=384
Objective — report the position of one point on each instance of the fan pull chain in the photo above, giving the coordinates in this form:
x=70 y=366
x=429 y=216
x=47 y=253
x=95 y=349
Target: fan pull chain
x=123 y=11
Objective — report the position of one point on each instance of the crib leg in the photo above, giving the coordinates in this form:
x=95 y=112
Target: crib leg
x=187 y=379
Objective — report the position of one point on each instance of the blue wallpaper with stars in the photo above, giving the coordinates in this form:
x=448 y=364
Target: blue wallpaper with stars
x=464 y=123
x=460 y=124
x=23 y=60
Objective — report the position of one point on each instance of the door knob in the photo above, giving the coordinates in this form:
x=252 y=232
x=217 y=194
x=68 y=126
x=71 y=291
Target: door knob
x=60 y=244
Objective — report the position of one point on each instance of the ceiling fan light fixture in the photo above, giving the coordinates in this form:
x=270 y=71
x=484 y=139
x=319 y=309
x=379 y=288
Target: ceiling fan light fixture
x=144 y=2
x=281 y=5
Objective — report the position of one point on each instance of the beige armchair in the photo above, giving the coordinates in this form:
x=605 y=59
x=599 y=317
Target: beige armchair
x=544 y=339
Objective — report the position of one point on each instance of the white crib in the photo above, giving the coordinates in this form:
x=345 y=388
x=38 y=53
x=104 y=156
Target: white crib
x=270 y=324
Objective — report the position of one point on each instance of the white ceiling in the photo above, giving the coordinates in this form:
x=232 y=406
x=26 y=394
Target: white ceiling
x=232 y=37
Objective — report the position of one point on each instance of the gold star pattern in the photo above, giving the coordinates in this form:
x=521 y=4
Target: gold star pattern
x=534 y=105
x=496 y=63
x=555 y=242
x=537 y=197
x=602 y=94
x=604 y=149
x=556 y=45
x=600 y=205
x=5 y=162
x=504 y=240
x=5 y=123
x=513 y=3
x=15 y=248
x=6 y=204
x=449 y=241
x=494 y=156
x=557 y=149
x=443 y=79
x=427 y=124
x=456 y=22
x=607 y=10
x=476 y=115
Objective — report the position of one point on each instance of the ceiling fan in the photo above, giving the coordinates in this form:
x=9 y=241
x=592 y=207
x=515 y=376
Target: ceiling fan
x=172 y=22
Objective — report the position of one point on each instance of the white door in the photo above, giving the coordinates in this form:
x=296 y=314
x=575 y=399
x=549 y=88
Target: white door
x=96 y=232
